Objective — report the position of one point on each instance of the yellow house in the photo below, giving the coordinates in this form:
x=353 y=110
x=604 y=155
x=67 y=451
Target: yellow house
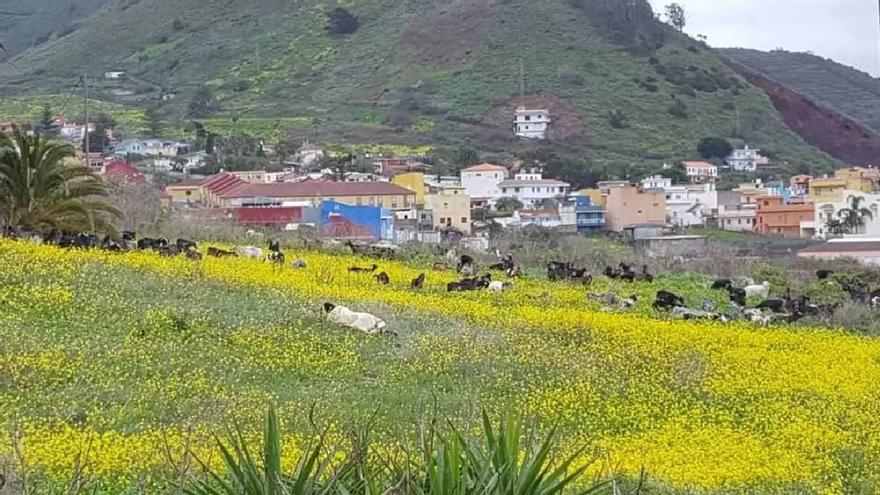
x=415 y=182
x=188 y=191
x=451 y=209
x=858 y=178
x=596 y=196
x=827 y=190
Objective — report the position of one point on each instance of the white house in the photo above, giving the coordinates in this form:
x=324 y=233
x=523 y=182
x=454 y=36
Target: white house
x=160 y=147
x=745 y=160
x=130 y=147
x=531 y=188
x=363 y=177
x=481 y=182
x=686 y=204
x=308 y=154
x=531 y=124
x=701 y=171
x=737 y=218
x=114 y=74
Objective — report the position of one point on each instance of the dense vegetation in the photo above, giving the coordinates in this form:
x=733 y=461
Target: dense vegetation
x=841 y=88
x=623 y=88
x=114 y=365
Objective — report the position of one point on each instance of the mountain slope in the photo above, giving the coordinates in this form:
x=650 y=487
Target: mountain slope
x=838 y=87
x=28 y=23
x=427 y=72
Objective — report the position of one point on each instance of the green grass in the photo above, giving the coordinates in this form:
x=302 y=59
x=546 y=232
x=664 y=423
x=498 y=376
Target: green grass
x=29 y=109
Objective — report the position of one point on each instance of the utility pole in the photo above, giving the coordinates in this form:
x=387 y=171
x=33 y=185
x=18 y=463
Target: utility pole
x=85 y=82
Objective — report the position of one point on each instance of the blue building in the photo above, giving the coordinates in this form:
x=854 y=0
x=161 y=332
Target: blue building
x=339 y=220
x=590 y=217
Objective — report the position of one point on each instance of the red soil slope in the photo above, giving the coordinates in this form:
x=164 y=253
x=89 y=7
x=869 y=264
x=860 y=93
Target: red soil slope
x=827 y=130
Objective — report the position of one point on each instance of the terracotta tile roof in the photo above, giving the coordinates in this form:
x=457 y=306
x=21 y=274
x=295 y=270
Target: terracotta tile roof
x=121 y=168
x=224 y=184
x=699 y=165
x=485 y=167
x=318 y=190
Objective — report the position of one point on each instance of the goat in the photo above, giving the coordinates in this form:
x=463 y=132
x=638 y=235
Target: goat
x=418 y=283
x=762 y=291
x=383 y=278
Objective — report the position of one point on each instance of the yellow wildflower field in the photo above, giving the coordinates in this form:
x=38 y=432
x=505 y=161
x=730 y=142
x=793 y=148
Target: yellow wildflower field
x=130 y=357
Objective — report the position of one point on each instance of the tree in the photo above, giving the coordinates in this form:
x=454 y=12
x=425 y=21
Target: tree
x=154 y=122
x=854 y=216
x=99 y=139
x=465 y=156
x=714 y=147
x=46 y=118
x=835 y=226
x=39 y=192
x=675 y=16
x=203 y=103
x=508 y=204
x=341 y=21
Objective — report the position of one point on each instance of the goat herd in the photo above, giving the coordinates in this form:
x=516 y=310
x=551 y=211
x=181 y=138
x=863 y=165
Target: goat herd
x=740 y=291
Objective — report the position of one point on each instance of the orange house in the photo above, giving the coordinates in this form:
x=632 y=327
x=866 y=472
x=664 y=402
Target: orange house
x=774 y=217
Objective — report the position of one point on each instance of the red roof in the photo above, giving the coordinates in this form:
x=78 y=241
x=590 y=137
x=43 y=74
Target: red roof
x=223 y=184
x=485 y=167
x=706 y=165
x=122 y=169
x=267 y=216
x=322 y=189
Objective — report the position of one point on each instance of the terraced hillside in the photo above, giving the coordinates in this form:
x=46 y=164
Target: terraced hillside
x=625 y=88
x=838 y=87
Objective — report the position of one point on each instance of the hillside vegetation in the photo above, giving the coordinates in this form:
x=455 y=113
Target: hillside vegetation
x=836 y=86
x=623 y=87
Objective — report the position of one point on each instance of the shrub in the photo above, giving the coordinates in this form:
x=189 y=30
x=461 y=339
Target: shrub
x=617 y=119
x=571 y=76
x=678 y=109
x=714 y=147
x=341 y=22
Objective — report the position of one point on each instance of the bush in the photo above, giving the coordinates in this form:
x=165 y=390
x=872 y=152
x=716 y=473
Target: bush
x=341 y=22
x=678 y=109
x=617 y=119
x=571 y=76
x=714 y=147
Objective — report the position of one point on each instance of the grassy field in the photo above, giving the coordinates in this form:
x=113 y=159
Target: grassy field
x=114 y=363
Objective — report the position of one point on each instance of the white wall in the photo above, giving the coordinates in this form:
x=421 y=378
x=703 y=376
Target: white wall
x=482 y=184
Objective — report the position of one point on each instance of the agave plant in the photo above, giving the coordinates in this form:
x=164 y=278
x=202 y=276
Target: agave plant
x=503 y=461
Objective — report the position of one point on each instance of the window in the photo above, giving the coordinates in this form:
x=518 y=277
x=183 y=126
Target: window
x=189 y=193
x=479 y=174
x=527 y=127
x=528 y=117
x=445 y=205
x=463 y=220
x=424 y=216
x=359 y=201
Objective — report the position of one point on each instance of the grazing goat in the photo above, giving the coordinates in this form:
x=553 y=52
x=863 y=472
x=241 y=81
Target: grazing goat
x=722 y=284
x=364 y=322
x=737 y=296
x=276 y=257
x=383 y=278
x=299 y=264
x=824 y=274
x=762 y=291
x=220 y=253
x=499 y=287
x=252 y=252
x=667 y=300
x=418 y=283
x=357 y=269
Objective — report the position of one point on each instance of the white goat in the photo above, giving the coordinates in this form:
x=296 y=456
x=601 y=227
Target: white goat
x=762 y=290
x=365 y=322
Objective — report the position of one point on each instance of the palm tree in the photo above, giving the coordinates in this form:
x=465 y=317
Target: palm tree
x=39 y=192
x=854 y=216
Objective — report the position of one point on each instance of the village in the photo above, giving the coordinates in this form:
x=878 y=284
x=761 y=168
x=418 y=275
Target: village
x=401 y=200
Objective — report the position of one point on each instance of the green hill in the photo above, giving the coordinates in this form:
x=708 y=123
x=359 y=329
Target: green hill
x=622 y=88
x=838 y=87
